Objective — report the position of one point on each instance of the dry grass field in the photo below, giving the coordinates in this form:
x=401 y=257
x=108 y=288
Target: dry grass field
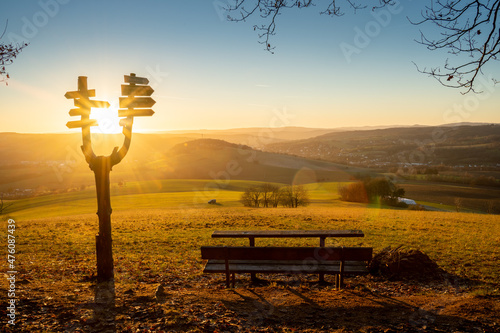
x=56 y=281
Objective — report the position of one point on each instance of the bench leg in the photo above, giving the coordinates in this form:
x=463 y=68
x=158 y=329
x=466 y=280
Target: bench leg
x=253 y=276
x=339 y=281
x=227 y=269
x=341 y=275
x=321 y=278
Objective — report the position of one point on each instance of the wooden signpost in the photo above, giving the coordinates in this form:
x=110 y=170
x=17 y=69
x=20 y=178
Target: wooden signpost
x=102 y=165
x=132 y=90
x=82 y=123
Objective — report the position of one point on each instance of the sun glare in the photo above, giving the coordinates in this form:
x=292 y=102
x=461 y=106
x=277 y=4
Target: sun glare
x=107 y=119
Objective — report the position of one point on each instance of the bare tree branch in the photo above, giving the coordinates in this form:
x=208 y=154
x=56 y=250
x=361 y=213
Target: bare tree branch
x=467 y=29
x=8 y=52
x=269 y=10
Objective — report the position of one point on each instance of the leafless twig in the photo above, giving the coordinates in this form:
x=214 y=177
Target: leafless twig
x=269 y=10
x=467 y=28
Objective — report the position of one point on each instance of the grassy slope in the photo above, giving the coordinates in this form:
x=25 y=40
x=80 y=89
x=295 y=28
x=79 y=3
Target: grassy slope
x=158 y=226
x=135 y=195
x=150 y=243
x=159 y=194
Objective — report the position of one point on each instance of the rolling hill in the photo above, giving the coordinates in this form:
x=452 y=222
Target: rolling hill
x=52 y=162
x=446 y=145
x=48 y=163
x=222 y=161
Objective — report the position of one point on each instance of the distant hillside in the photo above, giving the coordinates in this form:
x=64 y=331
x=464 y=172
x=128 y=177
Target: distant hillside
x=52 y=162
x=256 y=137
x=16 y=147
x=20 y=147
x=220 y=160
x=448 y=145
x=49 y=163
x=205 y=144
x=259 y=137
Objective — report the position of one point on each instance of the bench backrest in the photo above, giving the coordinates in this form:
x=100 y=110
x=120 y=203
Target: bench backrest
x=287 y=253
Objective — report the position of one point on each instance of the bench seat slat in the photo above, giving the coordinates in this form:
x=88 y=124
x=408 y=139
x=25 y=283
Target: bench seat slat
x=287 y=262
x=286 y=253
x=285 y=233
x=280 y=267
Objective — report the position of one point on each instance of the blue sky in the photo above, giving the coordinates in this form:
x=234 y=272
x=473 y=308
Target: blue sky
x=209 y=73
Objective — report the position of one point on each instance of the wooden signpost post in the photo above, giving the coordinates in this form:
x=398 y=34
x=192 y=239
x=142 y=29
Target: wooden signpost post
x=102 y=165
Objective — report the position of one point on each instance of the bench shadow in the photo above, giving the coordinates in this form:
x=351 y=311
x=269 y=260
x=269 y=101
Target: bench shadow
x=350 y=310
x=278 y=280
x=304 y=298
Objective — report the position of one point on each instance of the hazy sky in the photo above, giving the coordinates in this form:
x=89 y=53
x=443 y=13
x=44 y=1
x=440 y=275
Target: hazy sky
x=209 y=73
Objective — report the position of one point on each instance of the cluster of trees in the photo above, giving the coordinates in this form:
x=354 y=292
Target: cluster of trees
x=270 y=195
x=372 y=190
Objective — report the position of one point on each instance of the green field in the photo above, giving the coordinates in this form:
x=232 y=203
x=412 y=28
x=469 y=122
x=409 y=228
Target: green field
x=154 y=195
x=442 y=195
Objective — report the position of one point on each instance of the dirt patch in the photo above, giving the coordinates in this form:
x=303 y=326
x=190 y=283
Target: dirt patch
x=406 y=264
x=285 y=304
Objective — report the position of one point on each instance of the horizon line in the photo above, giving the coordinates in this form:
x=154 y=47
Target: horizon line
x=347 y=128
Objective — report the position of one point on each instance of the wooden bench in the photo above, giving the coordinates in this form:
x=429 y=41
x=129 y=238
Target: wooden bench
x=253 y=234
x=339 y=261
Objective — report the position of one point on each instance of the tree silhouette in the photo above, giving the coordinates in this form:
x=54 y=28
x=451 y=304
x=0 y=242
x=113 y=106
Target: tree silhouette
x=467 y=29
x=8 y=52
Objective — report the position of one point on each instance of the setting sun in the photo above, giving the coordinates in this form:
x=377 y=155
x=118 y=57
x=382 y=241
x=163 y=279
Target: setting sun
x=107 y=119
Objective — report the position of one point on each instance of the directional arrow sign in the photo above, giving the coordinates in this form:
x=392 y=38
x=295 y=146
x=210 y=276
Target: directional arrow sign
x=84 y=103
x=126 y=122
x=82 y=123
x=80 y=94
x=136 y=102
x=136 y=90
x=135 y=113
x=79 y=112
x=135 y=79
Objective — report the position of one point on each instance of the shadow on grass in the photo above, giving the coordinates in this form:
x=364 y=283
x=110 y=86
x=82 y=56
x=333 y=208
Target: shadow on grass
x=347 y=310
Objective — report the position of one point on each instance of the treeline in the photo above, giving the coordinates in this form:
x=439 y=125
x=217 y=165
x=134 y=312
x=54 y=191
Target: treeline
x=270 y=195
x=466 y=179
x=373 y=190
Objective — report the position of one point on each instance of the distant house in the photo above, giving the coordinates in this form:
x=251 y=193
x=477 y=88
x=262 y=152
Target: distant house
x=407 y=201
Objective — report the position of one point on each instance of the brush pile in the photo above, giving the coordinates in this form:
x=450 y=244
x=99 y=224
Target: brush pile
x=405 y=264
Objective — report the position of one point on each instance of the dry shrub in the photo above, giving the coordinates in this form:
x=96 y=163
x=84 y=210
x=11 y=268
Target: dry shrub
x=355 y=192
